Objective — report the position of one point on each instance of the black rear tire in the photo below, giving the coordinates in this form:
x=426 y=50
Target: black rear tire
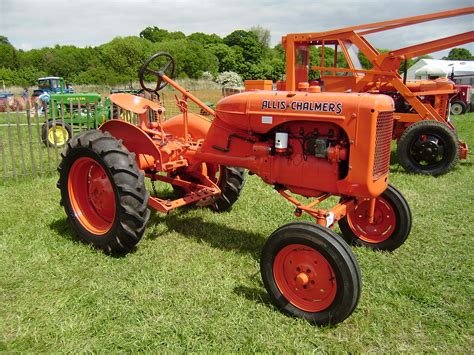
x=428 y=147
x=230 y=180
x=320 y=306
x=129 y=194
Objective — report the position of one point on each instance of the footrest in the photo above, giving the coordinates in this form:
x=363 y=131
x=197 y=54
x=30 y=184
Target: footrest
x=165 y=206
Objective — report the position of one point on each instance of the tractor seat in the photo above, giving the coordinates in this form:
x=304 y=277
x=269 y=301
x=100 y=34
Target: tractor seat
x=135 y=104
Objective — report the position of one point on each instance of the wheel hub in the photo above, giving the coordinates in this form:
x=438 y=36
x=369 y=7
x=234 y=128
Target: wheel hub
x=380 y=229
x=305 y=277
x=91 y=195
x=57 y=135
x=100 y=190
x=427 y=150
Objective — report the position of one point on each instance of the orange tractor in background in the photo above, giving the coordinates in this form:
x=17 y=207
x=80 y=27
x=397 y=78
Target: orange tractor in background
x=427 y=141
x=315 y=145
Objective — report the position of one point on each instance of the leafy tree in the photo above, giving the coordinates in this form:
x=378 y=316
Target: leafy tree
x=263 y=35
x=190 y=57
x=22 y=77
x=4 y=40
x=8 y=55
x=125 y=55
x=155 y=34
x=459 y=54
x=228 y=57
x=204 y=38
x=252 y=49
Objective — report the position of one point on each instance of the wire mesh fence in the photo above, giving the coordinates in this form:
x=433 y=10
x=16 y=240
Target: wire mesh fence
x=31 y=141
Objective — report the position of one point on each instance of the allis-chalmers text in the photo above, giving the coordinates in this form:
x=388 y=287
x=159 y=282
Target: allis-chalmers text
x=335 y=107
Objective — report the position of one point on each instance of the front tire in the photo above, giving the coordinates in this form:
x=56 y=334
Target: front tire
x=311 y=273
x=458 y=108
x=103 y=192
x=391 y=226
x=428 y=147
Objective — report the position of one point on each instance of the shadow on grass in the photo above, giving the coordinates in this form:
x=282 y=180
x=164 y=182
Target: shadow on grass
x=253 y=294
x=63 y=228
x=217 y=235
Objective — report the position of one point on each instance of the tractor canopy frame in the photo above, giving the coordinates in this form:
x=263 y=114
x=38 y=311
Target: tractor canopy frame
x=383 y=76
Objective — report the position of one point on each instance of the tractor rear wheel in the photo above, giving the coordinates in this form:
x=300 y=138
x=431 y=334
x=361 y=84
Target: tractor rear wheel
x=310 y=272
x=428 y=147
x=230 y=180
x=391 y=225
x=103 y=192
x=56 y=135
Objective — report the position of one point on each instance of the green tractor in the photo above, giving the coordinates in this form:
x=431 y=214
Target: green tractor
x=73 y=112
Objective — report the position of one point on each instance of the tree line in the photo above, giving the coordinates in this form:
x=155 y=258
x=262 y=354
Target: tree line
x=246 y=52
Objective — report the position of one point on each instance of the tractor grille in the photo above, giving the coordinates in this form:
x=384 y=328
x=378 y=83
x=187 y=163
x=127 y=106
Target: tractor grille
x=383 y=139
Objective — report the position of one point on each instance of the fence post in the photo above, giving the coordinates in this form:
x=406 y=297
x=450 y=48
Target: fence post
x=46 y=120
x=38 y=141
x=30 y=138
x=71 y=116
x=10 y=144
x=20 y=142
x=88 y=110
x=4 y=158
x=55 y=139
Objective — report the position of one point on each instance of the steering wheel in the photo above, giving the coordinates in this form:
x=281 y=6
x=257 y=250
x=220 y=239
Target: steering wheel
x=167 y=69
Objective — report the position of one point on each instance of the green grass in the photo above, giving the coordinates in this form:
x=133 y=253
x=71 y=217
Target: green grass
x=193 y=283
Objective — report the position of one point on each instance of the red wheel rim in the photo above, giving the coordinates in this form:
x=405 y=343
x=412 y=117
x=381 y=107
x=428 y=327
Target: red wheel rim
x=92 y=195
x=383 y=226
x=305 y=277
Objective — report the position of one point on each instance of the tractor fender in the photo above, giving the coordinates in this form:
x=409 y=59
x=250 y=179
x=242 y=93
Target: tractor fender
x=136 y=140
x=198 y=126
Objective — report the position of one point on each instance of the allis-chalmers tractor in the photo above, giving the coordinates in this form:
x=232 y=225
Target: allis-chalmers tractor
x=315 y=145
x=427 y=141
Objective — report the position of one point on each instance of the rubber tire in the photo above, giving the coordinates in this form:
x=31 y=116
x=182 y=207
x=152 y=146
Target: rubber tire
x=338 y=254
x=402 y=230
x=231 y=182
x=45 y=129
x=131 y=196
x=463 y=108
x=427 y=127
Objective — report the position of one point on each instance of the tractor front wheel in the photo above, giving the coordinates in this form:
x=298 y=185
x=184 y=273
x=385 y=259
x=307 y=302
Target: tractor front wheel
x=390 y=227
x=428 y=147
x=458 y=108
x=56 y=134
x=310 y=272
x=103 y=192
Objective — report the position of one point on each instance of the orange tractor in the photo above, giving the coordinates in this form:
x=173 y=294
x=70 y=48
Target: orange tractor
x=315 y=145
x=427 y=141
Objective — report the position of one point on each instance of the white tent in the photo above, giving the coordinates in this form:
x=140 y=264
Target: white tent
x=432 y=68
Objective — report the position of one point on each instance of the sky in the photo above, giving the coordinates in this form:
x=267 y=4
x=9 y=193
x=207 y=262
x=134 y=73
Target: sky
x=44 y=23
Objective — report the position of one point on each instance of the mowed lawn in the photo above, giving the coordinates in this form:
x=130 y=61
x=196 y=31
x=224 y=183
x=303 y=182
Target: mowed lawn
x=193 y=283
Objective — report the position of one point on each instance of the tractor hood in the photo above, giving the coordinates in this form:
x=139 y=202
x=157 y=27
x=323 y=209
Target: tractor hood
x=260 y=111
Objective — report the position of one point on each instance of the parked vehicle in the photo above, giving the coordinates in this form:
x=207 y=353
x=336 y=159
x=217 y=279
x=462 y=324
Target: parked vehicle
x=315 y=145
x=427 y=141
